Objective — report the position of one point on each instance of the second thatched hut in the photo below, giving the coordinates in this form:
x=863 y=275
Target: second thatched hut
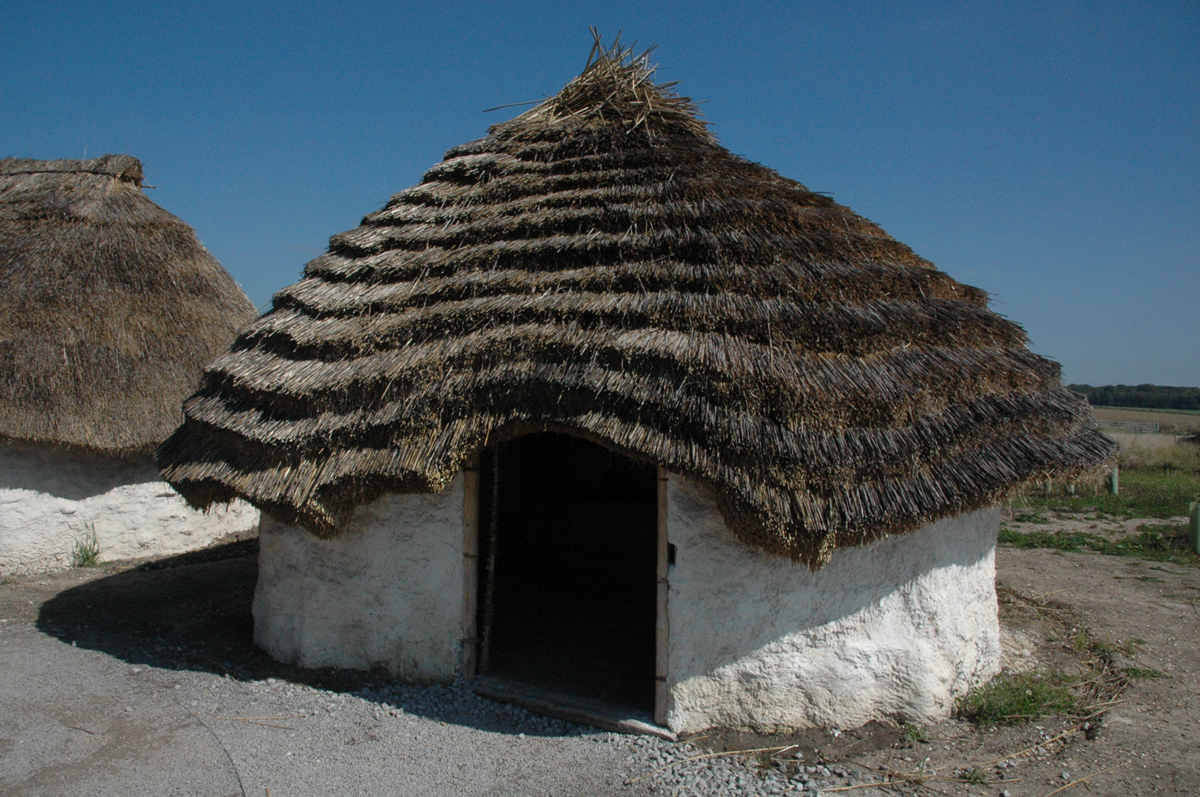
x=110 y=309
x=600 y=409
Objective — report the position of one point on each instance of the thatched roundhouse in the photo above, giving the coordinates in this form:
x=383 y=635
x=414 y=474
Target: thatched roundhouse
x=602 y=408
x=111 y=308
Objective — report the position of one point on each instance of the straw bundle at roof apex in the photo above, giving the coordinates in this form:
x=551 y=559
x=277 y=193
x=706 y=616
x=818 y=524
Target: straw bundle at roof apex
x=616 y=86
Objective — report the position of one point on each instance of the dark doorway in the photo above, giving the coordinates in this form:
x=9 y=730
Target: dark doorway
x=575 y=583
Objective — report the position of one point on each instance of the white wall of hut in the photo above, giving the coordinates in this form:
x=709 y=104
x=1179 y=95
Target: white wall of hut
x=56 y=501
x=895 y=629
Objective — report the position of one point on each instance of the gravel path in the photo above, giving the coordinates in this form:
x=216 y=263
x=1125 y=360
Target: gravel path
x=78 y=722
x=117 y=682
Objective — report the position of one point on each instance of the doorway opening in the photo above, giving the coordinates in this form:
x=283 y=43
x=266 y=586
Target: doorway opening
x=574 y=586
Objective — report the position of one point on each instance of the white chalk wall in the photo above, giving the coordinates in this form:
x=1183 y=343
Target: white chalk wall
x=894 y=629
x=51 y=498
x=386 y=593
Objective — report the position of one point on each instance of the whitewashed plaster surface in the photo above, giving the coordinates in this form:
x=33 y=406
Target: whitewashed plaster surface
x=898 y=628
x=388 y=592
x=53 y=498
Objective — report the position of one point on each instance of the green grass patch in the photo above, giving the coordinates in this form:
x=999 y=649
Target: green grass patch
x=1059 y=540
x=1150 y=493
x=1159 y=542
x=1085 y=643
x=1016 y=699
x=87 y=551
x=1142 y=672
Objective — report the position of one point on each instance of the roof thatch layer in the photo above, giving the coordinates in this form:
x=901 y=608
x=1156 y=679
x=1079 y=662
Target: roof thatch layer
x=600 y=266
x=111 y=307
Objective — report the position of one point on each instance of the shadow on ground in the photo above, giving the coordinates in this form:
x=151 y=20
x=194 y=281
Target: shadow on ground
x=193 y=612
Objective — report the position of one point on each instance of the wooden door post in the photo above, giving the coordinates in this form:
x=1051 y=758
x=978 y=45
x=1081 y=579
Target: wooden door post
x=489 y=581
x=662 y=627
x=470 y=647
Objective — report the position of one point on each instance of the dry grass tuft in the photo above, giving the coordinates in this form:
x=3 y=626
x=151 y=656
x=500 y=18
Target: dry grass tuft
x=1180 y=456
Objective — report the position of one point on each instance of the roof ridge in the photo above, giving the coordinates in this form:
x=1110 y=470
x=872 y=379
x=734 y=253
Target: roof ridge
x=121 y=167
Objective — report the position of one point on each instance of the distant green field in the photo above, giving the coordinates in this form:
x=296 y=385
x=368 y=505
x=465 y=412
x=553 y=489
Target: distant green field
x=1146 y=409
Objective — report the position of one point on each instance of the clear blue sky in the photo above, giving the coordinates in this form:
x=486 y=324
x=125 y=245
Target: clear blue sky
x=1048 y=153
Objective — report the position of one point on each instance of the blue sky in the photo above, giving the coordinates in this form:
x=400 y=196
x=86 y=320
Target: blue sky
x=1048 y=153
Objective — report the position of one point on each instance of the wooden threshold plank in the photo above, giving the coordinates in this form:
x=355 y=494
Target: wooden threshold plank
x=569 y=707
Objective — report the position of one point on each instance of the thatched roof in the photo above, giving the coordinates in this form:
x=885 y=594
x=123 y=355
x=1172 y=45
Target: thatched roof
x=110 y=306
x=599 y=265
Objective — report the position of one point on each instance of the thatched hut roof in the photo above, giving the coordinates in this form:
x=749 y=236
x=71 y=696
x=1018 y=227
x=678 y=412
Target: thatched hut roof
x=599 y=265
x=110 y=309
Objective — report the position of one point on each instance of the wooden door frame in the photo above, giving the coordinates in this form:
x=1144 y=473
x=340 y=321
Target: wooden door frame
x=662 y=626
x=470 y=643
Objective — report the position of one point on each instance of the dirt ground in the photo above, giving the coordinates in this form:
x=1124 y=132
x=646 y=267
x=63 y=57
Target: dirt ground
x=1059 y=611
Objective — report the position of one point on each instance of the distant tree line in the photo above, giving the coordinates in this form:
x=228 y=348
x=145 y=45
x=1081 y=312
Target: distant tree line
x=1151 y=397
